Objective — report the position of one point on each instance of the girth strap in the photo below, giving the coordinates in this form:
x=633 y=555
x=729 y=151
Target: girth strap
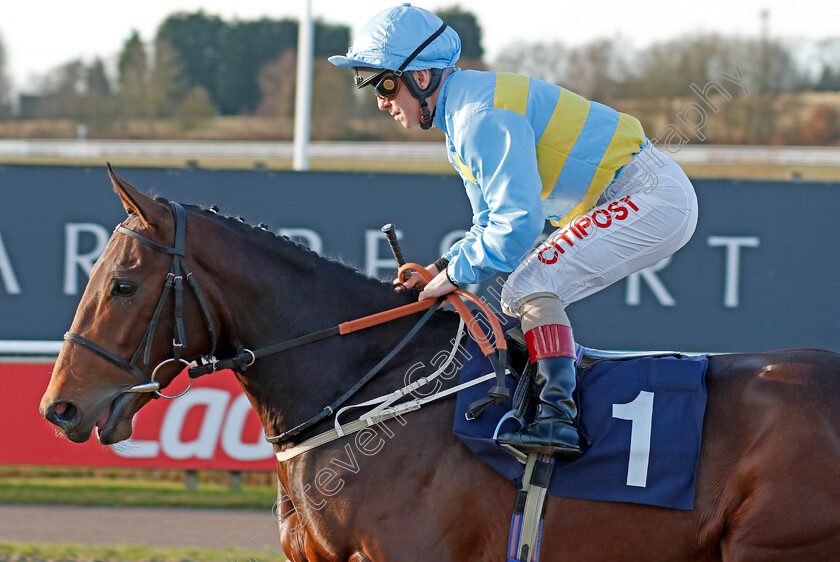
x=529 y=510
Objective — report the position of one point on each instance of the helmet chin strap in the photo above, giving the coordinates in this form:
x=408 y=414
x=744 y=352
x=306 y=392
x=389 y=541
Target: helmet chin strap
x=426 y=116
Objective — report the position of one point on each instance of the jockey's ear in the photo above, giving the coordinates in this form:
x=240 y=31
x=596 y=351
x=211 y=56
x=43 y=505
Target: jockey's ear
x=422 y=77
x=151 y=212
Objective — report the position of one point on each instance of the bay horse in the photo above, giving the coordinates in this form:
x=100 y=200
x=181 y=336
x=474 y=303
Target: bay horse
x=767 y=482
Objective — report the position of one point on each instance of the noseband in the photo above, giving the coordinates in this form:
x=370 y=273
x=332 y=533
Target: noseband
x=174 y=281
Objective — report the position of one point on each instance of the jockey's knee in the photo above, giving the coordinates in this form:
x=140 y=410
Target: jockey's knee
x=541 y=309
x=533 y=309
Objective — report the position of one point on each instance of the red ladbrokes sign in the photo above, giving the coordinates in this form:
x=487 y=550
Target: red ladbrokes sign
x=211 y=427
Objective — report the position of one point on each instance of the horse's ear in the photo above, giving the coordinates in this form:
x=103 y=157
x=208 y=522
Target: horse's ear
x=136 y=202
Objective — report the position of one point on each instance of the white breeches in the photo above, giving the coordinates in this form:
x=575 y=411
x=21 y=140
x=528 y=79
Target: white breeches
x=647 y=214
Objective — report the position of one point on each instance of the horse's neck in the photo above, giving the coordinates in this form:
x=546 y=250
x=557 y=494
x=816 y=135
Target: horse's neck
x=278 y=301
x=304 y=303
x=298 y=384
x=277 y=293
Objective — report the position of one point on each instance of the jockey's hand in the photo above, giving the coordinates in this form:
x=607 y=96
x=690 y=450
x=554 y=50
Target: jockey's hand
x=437 y=287
x=416 y=280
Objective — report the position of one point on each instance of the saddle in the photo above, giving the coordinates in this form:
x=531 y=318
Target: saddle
x=519 y=363
x=586 y=356
x=532 y=473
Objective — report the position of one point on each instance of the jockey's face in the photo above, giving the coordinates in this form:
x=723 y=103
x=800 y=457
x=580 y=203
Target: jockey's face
x=404 y=107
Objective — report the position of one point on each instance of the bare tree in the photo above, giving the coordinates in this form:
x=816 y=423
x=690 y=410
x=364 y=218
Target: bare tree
x=546 y=61
x=61 y=92
x=596 y=71
x=167 y=89
x=195 y=107
x=5 y=85
x=151 y=87
x=828 y=54
x=333 y=95
x=277 y=85
x=98 y=100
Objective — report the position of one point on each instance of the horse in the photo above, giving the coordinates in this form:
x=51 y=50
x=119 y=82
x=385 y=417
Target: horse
x=767 y=485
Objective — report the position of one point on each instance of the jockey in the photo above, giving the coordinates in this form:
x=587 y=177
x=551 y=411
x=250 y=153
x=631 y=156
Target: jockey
x=529 y=151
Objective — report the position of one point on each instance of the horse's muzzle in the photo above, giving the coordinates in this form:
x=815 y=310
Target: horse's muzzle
x=62 y=413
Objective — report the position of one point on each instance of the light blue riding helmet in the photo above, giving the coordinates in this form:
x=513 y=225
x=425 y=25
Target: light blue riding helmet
x=390 y=37
x=399 y=39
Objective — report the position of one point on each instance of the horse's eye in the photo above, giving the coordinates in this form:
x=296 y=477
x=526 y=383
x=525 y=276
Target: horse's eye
x=120 y=288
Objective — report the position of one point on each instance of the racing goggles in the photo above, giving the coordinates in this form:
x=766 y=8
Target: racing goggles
x=385 y=83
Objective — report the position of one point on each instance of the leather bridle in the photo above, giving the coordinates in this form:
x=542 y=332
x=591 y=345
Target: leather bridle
x=178 y=272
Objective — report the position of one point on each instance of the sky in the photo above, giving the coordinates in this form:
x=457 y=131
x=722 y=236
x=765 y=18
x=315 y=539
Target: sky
x=41 y=35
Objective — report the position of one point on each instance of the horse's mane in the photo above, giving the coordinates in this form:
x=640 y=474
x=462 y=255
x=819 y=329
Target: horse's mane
x=294 y=252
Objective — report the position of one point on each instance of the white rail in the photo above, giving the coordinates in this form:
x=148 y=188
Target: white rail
x=10 y=349
x=416 y=151
x=217 y=149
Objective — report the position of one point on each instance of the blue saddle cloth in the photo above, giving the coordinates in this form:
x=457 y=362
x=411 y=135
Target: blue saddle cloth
x=644 y=417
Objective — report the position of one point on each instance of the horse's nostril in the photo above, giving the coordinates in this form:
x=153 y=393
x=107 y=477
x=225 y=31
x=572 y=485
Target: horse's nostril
x=63 y=414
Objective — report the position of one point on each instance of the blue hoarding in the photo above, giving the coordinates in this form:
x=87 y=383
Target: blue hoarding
x=758 y=274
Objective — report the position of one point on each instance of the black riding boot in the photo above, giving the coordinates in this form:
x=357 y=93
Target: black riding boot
x=553 y=430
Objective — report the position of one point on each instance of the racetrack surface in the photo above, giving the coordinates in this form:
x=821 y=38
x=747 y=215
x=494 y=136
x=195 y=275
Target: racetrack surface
x=235 y=529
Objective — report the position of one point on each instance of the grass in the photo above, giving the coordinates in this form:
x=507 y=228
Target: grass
x=20 y=551
x=125 y=492
x=132 y=488
x=53 y=485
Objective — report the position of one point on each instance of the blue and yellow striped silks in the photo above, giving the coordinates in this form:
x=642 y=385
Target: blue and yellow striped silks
x=527 y=150
x=580 y=148
x=463 y=168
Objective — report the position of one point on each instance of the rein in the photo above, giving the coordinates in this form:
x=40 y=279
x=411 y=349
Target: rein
x=328 y=411
x=247 y=357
